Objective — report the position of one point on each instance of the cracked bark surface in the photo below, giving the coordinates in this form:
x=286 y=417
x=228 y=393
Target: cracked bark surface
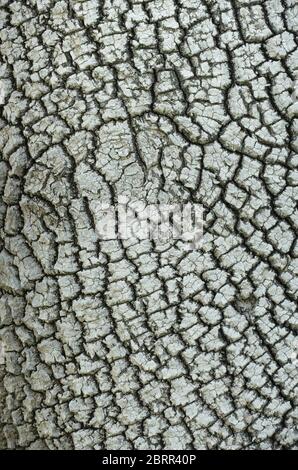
x=122 y=345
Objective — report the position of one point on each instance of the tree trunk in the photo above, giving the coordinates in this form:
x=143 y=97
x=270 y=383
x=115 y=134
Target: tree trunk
x=129 y=342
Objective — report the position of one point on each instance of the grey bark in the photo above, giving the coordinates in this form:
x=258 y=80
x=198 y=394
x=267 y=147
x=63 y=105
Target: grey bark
x=140 y=345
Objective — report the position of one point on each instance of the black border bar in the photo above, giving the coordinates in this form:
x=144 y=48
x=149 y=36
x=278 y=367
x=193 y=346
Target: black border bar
x=136 y=459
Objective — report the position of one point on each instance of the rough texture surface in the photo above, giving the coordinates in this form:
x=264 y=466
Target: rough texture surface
x=122 y=345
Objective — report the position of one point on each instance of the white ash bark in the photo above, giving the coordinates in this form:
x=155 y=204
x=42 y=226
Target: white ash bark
x=121 y=345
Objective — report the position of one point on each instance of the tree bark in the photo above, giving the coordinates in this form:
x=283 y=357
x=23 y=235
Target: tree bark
x=148 y=344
